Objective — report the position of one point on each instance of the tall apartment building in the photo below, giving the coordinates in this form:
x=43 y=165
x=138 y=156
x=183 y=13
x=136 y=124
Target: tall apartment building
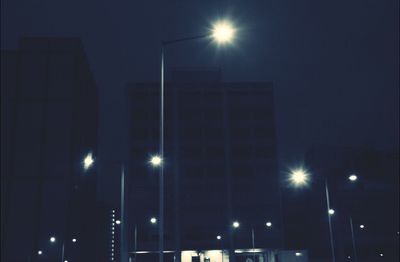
x=220 y=163
x=48 y=124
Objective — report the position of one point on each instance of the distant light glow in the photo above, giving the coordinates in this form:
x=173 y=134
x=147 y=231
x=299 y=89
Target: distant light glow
x=156 y=160
x=117 y=222
x=40 y=252
x=381 y=254
x=52 y=239
x=299 y=177
x=353 y=178
x=298 y=254
x=236 y=224
x=74 y=240
x=88 y=161
x=268 y=224
x=153 y=220
x=219 y=237
x=362 y=226
x=331 y=211
x=223 y=32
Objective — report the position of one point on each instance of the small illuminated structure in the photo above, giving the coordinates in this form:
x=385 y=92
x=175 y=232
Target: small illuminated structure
x=331 y=211
x=153 y=220
x=223 y=32
x=88 y=161
x=299 y=177
x=236 y=224
x=155 y=161
x=353 y=178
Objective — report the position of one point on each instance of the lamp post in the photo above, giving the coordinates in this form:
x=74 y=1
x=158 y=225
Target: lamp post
x=223 y=32
x=300 y=177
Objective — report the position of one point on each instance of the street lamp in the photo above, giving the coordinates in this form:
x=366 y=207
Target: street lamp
x=219 y=237
x=299 y=177
x=40 y=252
x=88 y=161
x=52 y=239
x=153 y=220
x=223 y=33
x=353 y=178
x=156 y=161
x=236 y=224
x=268 y=224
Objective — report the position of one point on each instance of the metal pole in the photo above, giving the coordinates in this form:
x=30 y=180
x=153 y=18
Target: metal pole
x=161 y=194
x=329 y=220
x=122 y=226
x=252 y=240
x=353 y=239
x=135 y=243
x=62 y=252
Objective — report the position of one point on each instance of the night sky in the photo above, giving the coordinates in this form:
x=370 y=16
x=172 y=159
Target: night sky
x=334 y=64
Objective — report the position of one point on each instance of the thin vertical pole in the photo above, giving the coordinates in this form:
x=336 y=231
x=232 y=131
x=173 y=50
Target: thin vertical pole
x=161 y=194
x=62 y=252
x=252 y=241
x=135 y=240
x=122 y=226
x=353 y=239
x=329 y=221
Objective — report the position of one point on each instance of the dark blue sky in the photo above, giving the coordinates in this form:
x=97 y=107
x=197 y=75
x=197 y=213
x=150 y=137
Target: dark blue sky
x=334 y=64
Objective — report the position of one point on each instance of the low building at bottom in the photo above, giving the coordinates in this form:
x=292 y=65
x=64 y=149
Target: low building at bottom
x=241 y=255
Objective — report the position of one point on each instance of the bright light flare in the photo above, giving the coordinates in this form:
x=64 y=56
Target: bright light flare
x=353 y=178
x=236 y=224
x=88 y=161
x=331 y=211
x=219 y=237
x=223 y=32
x=156 y=161
x=299 y=177
x=40 y=252
x=52 y=239
x=153 y=220
x=117 y=222
x=362 y=226
x=74 y=240
x=268 y=224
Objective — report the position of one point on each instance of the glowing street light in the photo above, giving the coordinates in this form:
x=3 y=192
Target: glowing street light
x=219 y=237
x=74 y=240
x=236 y=224
x=40 y=252
x=268 y=224
x=353 y=178
x=52 y=239
x=117 y=222
x=223 y=32
x=331 y=211
x=299 y=177
x=362 y=226
x=153 y=220
x=156 y=161
x=88 y=161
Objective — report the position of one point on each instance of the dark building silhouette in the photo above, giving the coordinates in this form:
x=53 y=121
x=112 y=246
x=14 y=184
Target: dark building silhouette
x=48 y=124
x=220 y=163
x=371 y=201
